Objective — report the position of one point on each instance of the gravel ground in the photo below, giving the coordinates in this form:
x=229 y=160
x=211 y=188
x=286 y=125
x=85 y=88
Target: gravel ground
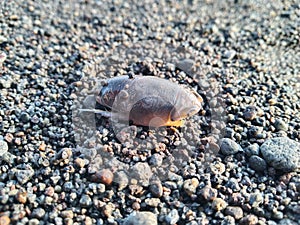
x=236 y=162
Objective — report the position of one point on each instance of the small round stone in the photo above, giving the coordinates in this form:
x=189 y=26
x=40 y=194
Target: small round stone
x=252 y=149
x=250 y=113
x=172 y=217
x=49 y=191
x=21 y=196
x=33 y=221
x=153 y=202
x=249 y=220
x=85 y=201
x=257 y=163
x=229 y=146
x=38 y=213
x=141 y=172
x=209 y=193
x=3 y=147
x=234 y=211
x=156 y=189
x=4 y=220
x=104 y=176
x=282 y=153
x=281 y=125
x=218 y=204
x=121 y=179
x=67 y=214
x=185 y=64
x=79 y=162
x=256 y=199
x=141 y=218
x=190 y=186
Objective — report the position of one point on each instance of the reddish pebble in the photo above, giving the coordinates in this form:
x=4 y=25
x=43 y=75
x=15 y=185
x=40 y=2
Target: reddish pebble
x=21 y=196
x=104 y=176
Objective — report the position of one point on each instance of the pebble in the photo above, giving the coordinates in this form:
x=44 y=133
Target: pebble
x=251 y=112
x=23 y=176
x=85 y=201
x=156 y=189
x=252 y=149
x=3 y=39
x=38 y=213
x=287 y=221
x=172 y=217
x=156 y=160
x=21 y=196
x=281 y=125
x=219 y=204
x=153 y=202
x=104 y=176
x=141 y=172
x=108 y=209
x=208 y=193
x=3 y=147
x=233 y=184
x=190 y=186
x=49 y=191
x=282 y=153
x=234 y=211
x=256 y=199
x=4 y=220
x=141 y=218
x=229 y=147
x=121 y=179
x=217 y=168
x=257 y=163
x=228 y=220
x=249 y=220
x=230 y=54
x=185 y=65
x=79 y=162
x=33 y=221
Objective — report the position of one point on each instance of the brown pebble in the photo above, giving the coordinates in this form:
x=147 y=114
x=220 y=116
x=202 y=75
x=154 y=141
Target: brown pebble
x=104 y=176
x=21 y=196
x=4 y=220
x=42 y=147
x=136 y=206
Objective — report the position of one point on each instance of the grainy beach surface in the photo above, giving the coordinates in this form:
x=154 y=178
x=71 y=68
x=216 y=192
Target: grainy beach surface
x=236 y=162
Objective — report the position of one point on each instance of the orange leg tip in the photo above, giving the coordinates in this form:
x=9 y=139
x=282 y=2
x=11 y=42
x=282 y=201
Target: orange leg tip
x=177 y=123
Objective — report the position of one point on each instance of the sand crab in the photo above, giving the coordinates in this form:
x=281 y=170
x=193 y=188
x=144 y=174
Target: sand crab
x=147 y=101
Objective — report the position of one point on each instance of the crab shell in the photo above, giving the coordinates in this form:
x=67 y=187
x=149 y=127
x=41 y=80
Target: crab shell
x=148 y=100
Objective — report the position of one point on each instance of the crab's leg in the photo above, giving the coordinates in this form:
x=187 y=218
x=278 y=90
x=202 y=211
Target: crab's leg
x=113 y=115
x=97 y=111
